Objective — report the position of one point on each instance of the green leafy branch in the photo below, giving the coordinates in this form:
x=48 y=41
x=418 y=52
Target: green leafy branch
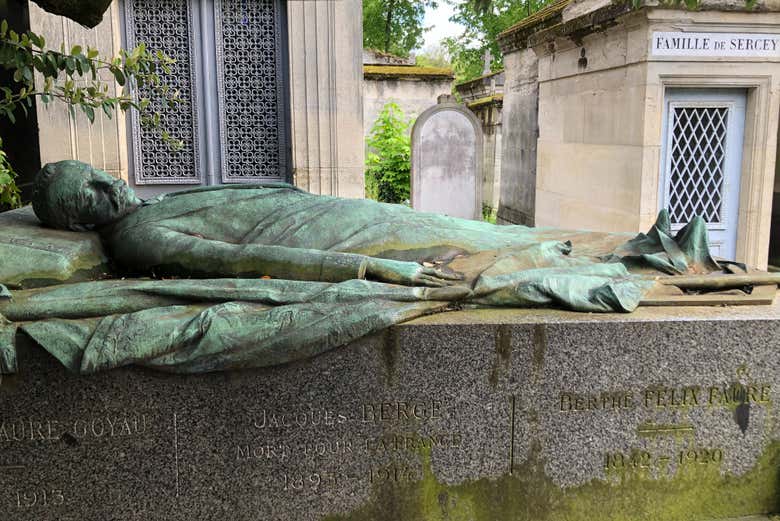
x=81 y=79
x=389 y=159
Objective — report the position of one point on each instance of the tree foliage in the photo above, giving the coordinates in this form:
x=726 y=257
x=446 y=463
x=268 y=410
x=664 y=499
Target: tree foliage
x=80 y=78
x=389 y=157
x=483 y=21
x=394 y=26
x=433 y=56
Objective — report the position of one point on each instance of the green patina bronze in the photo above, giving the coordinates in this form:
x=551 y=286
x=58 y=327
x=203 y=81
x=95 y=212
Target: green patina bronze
x=306 y=272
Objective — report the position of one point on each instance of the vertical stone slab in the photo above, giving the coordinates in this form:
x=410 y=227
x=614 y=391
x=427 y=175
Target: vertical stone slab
x=520 y=128
x=447 y=161
x=326 y=96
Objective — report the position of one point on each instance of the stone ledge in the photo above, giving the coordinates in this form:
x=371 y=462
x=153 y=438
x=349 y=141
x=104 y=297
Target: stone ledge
x=642 y=314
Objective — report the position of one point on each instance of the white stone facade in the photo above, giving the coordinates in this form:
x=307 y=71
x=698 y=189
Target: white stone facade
x=601 y=98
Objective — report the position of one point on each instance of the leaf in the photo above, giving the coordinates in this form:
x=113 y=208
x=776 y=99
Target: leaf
x=90 y=112
x=38 y=40
x=76 y=49
x=119 y=76
x=3 y=28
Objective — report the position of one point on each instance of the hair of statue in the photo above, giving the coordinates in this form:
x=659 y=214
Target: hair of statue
x=51 y=210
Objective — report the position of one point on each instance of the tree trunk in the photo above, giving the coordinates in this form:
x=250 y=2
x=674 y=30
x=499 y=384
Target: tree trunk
x=388 y=22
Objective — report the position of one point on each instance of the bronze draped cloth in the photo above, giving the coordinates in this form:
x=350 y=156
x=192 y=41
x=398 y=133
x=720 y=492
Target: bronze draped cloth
x=203 y=325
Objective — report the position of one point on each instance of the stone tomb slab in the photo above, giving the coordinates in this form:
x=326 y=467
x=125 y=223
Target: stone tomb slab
x=475 y=415
x=33 y=256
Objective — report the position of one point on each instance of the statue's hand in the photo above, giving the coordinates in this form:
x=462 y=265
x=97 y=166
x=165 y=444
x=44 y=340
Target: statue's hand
x=409 y=273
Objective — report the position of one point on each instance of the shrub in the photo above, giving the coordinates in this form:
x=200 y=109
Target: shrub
x=389 y=157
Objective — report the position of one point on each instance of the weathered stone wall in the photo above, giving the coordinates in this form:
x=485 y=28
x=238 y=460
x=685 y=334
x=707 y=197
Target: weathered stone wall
x=591 y=115
x=518 y=140
x=63 y=136
x=412 y=95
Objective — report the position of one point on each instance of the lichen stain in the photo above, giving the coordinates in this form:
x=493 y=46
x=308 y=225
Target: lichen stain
x=503 y=354
x=540 y=347
x=693 y=493
x=390 y=351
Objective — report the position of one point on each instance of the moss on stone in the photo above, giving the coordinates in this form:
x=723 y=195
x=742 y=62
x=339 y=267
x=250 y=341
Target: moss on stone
x=406 y=71
x=693 y=493
x=496 y=98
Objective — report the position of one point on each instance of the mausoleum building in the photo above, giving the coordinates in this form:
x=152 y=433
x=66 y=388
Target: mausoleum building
x=614 y=111
x=272 y=91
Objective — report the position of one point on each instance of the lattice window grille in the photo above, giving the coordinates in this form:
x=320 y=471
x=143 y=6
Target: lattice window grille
x=166 y=25
x=697 y=163
x=250 y=83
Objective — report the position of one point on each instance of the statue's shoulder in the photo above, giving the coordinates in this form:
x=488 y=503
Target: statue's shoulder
x=210 y=202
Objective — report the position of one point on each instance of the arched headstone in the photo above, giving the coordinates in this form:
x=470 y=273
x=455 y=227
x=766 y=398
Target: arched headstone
x=447 y=161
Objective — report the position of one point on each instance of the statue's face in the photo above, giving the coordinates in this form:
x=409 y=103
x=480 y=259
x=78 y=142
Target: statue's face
x=82 y=196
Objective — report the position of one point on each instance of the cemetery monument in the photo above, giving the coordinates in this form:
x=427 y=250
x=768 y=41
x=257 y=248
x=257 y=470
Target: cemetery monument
x=477 y=414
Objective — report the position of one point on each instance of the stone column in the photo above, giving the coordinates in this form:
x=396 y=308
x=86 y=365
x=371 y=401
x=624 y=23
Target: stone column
x=519 y=128
x=326 y=96
x=63 y=136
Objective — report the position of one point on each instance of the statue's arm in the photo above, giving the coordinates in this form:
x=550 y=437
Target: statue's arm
x=170 y=250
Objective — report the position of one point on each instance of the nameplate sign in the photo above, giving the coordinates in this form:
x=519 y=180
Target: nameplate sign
x=741 y=45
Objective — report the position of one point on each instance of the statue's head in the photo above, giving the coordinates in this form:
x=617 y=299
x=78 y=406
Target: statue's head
x=72 y=195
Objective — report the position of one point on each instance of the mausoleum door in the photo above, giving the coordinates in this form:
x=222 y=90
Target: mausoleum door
x=703 y=136
x=232 y=72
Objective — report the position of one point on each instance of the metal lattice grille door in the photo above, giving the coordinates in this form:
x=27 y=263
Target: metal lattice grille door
x=231 y=69
x=704 y=135
x=251 y=79
x=166 y=25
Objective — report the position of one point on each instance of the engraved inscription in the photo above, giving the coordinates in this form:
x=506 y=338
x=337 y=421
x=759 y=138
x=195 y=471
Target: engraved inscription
x=109 y=426
x=639 y=460
x=314 y=481
x=601 y=401
x=303 y=419
x=660 y=397
x=39 y=498
x=401 y=411
x=413 y=442
x=405 y=428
